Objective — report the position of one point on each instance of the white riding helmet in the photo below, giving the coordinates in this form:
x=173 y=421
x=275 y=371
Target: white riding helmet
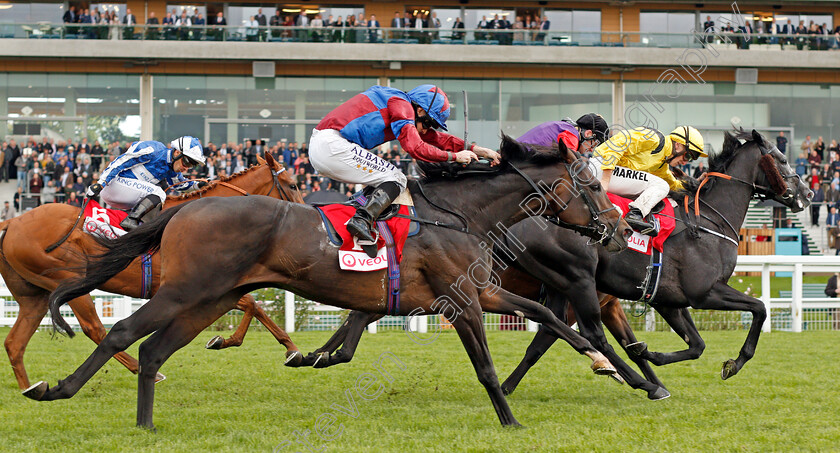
x=190 y=148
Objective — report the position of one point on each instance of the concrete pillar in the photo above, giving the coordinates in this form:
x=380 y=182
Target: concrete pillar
x=70 y=110
x=232 y=113
x=147 y=121
x=300 y=114
x=4 y=111
x=618 y=102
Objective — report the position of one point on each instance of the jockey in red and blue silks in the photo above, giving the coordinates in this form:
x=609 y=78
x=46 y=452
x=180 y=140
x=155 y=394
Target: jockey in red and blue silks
x=133 y=180
x=339 y=145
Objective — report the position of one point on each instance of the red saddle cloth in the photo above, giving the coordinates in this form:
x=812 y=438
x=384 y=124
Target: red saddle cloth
x=103 y=222
x=642 y=242
x=350 y=254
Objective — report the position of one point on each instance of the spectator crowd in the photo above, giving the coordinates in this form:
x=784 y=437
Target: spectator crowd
x=50 y=172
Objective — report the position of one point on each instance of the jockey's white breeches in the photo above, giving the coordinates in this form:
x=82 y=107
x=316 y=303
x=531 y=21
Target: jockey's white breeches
x=338 y=158
x=647 y=189
x=125 y=193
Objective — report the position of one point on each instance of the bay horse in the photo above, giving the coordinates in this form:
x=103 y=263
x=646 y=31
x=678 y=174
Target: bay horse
x=287 y=247
x=695 y=271
x=31 y=273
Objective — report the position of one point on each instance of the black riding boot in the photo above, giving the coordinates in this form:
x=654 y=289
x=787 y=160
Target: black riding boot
x=638 y=222
x=361 y=224
x=133 y=220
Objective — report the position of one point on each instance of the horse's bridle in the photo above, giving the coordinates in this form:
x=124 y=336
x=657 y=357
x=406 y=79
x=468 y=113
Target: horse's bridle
x=596 y=229
x=275 y=178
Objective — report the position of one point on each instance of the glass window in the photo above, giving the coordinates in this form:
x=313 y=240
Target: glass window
x=447 y=19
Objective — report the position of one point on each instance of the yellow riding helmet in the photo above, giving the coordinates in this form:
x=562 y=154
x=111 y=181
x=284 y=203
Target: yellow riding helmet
x=691 y=138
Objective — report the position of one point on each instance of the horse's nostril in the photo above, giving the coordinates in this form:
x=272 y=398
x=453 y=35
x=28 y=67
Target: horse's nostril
x=627 y=233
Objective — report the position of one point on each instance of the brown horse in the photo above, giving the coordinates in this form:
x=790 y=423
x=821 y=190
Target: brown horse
x=31 y=273
x=442 y=271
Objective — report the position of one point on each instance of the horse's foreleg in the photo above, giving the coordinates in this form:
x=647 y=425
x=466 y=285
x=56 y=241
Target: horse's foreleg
x=541 y=343
x=680 y=320
x=497 y=300
x=613 y=317
x=152 y=316
x=347 y=336
x=249 y=307
x=723 y=297
x=470 y=327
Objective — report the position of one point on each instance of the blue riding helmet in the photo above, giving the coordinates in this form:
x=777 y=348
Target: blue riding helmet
x=434 y=101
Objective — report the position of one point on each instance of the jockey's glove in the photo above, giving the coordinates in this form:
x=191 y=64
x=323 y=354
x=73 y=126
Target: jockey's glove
x=93 y=190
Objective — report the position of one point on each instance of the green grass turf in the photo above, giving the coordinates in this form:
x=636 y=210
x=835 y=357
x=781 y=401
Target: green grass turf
x=244 y=399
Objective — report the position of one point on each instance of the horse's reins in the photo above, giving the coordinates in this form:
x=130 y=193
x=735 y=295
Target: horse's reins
x=243 y=192
x=762 y=190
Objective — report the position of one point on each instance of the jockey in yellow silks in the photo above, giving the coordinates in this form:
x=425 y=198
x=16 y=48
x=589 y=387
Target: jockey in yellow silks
x=637 y=164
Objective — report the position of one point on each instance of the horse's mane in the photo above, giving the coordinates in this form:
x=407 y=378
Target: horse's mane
x=212 y=184
x=731 y=143
x=511 y=151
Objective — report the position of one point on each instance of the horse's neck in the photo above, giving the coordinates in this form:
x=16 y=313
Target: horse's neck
x=242 y=181
x=485 y=203
x=732 y=198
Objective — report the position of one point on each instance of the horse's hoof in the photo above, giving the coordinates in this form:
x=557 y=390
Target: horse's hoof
x=507 y=390
x=603 y=367
x=617 y=378
x=215 y=343
x=293 y=359
x=636 y=349
x=159 y=378
x=729 y=369
x=37 y=390
x=659 y=394
x=513 y=425
x=322 y=361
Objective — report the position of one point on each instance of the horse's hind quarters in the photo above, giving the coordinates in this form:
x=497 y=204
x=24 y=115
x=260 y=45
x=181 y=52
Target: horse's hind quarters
x=36 y=391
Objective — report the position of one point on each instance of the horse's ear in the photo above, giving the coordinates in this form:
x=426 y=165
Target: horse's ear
x=757 y=137
x=269 y=159
x=567 y=154
x=261 y=161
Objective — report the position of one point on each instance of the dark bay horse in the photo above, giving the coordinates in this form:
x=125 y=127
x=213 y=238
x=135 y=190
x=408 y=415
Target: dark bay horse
x=695 y=270
x=31 y=273
x=286 y=247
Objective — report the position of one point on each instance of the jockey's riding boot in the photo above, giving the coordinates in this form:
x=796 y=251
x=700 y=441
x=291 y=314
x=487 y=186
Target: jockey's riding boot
x=361 y=224
x=133 y=220
x=638 y=222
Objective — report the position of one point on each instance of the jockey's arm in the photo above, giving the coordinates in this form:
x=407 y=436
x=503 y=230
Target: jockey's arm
x=182 y=184
x=125 y=162
x=606 y=175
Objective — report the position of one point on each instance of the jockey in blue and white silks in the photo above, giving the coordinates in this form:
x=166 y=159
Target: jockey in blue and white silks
x=135 y=180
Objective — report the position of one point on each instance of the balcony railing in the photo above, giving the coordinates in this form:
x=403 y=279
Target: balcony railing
x=45 y=30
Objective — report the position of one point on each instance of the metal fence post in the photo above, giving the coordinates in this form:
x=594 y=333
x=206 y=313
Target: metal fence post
x=372 y=327
x=796 y=304
x=290 y=311
x=650 y=320
x=533 y=326
x=765 y=296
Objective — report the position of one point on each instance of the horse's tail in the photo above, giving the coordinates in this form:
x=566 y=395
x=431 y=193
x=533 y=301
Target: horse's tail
x=119 y=253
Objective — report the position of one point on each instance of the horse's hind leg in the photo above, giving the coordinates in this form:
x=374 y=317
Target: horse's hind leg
x=613 y=317
x=355 y=323
x=91 y=325
x=152 y=316
x=32 y=311
x=163 y=343
x=680 y=320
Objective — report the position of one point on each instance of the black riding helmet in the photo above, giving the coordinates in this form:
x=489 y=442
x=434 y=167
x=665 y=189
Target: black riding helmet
x=595 y=123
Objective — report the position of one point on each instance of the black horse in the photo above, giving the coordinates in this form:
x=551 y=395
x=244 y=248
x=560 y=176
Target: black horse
x=208 y=263
x=695 y=270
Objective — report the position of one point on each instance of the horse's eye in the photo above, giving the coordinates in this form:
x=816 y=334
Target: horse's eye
x=293 y=186
x=596 y=187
